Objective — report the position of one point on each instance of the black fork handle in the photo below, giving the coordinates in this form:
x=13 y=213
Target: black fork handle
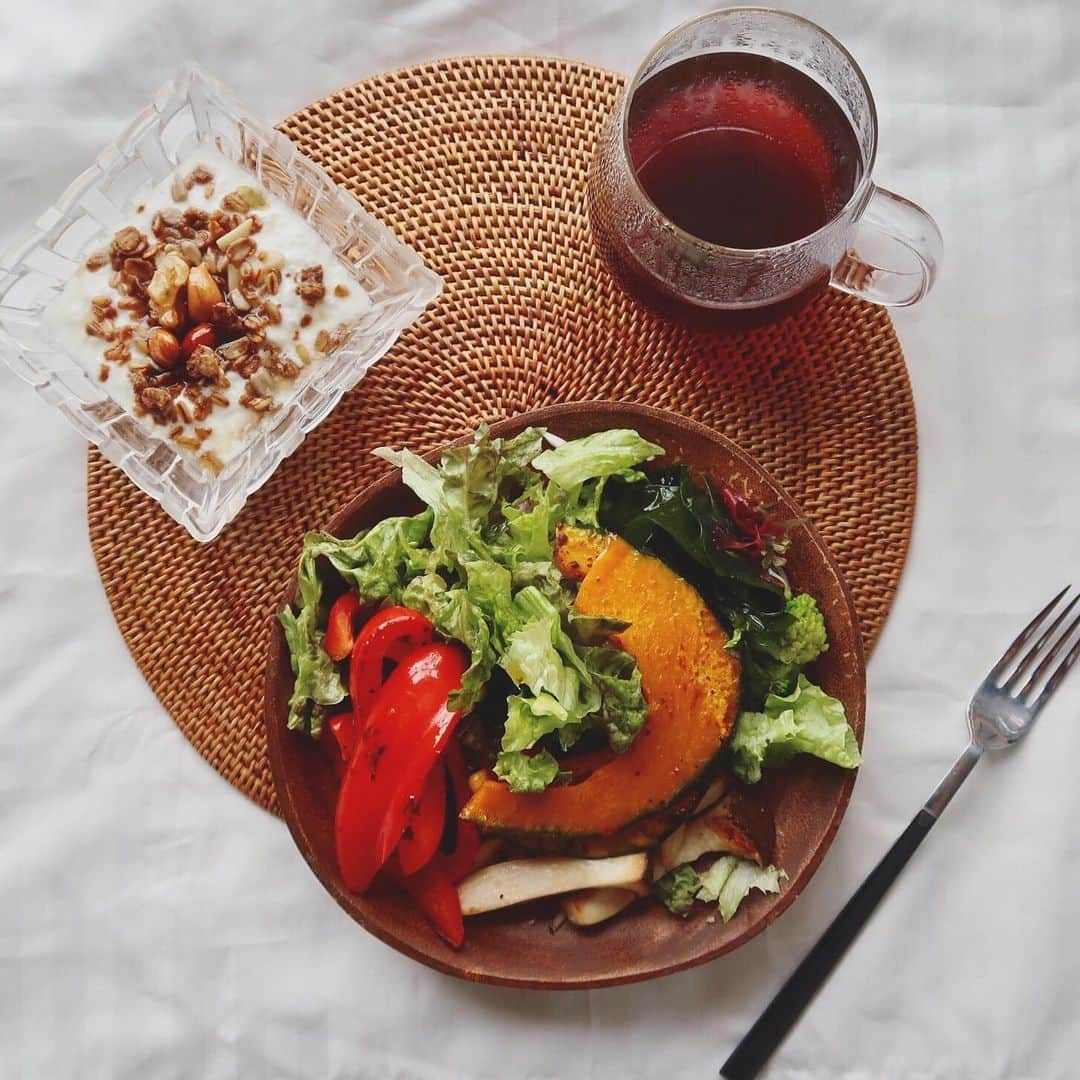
x=771 y=1028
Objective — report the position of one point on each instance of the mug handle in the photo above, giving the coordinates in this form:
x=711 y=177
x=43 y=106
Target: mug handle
x=894 y=231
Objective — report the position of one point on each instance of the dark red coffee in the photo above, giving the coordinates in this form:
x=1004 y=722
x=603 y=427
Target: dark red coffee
x=739 y=150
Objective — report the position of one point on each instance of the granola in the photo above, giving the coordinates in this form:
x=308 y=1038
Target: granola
x=187 y=316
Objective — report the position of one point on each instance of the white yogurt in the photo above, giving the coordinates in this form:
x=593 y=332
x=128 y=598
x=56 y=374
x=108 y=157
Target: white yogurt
x=283 y=230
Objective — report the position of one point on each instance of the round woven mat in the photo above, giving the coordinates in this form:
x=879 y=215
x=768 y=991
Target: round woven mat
x=480 y=164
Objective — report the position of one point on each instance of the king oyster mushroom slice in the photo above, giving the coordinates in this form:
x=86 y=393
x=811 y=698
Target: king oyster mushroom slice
x=736 y=825
x=592 y=906
x=714 y=792
x=520 y=880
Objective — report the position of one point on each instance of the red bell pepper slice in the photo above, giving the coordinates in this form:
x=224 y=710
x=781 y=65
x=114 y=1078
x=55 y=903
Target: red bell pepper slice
x=462 y=859
x=409 y=723
x=341 y=626
x=343 y=728
x=422 y=834
x=390 y=634
x=339 y=737
x=437 y=897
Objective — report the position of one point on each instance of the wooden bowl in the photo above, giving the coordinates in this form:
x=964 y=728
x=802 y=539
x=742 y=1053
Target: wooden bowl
x=515 y=947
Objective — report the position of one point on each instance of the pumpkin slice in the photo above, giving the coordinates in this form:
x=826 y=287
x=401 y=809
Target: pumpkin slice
x=577 y=549
x=641 y=835
x=691 y=687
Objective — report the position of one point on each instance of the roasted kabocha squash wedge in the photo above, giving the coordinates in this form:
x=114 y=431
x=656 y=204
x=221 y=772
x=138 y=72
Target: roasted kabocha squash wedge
x=577 y=549
x=640 y=835
x=690 y=684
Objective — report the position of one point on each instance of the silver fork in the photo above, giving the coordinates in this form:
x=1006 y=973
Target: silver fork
x=1002 y=711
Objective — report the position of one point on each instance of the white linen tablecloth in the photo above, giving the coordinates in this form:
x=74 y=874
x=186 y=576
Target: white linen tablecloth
x=153 y=923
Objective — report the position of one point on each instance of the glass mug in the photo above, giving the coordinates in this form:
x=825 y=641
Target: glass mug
x=876 y=245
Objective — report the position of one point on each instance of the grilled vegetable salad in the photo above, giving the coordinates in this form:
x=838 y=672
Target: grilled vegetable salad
x=562 y=677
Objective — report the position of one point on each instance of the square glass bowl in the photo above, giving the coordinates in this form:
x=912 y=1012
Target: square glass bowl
x=194 y=110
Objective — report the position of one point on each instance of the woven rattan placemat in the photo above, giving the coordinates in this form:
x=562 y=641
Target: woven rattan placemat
x=480 y=164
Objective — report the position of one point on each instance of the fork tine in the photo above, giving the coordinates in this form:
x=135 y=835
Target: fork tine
x=1036 y=650
x=1051 y=656
x=1024 y=636
x=1056 y=679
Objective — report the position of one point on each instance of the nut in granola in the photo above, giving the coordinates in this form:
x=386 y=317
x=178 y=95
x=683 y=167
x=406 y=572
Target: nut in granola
x=191 y=252
x=169 y=277
x=239 y=301
x=163 y=348
x=203 y=294
x=241 y=232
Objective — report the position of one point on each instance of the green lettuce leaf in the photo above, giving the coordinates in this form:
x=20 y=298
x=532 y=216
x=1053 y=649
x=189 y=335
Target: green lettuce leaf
x=573 y=688
x=524 y=773
x=530 y=522
x=581 y=504
x=317 y=679
x=605 y=453
x=470 y=476
x=374 y=564
x=678 y=888
x=454 y=614
x=416 y=474
x=478 y=562
x=534 y=606
x=462 y=491
x=489 y=586
x=729 y=880
x=529 y=719
x=806 y=721
x=517 y=454
x=531 y=659
x=622 y=709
